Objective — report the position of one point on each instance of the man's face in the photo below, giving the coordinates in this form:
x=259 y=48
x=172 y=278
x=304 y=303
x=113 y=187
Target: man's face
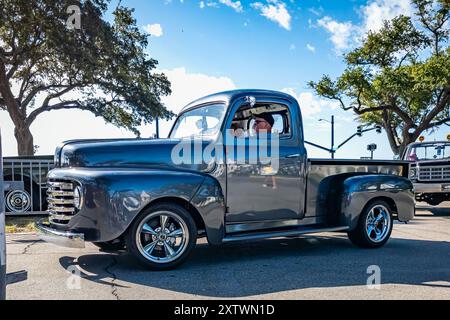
x=261 y=125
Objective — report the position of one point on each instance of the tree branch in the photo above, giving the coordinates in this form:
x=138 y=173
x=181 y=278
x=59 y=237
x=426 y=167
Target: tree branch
x=59 y=106
x=403 y=115
x=391 y=134
x=444 y=101
x=438 y=123
x=12 y=106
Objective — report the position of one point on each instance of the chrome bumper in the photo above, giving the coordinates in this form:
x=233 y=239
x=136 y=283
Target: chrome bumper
x=60 y=238
x=431 y=187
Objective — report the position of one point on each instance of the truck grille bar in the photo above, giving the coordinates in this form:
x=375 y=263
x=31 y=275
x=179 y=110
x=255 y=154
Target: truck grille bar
x=434 y=173
x=60 y=198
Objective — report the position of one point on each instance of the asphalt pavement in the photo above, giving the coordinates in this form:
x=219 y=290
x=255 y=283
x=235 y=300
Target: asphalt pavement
x=415 y=264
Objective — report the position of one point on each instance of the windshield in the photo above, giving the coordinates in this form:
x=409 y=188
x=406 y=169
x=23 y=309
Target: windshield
x=200 y=122
x=432 y=151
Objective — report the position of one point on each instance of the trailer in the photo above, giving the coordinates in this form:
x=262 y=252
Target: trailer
x=25 y=184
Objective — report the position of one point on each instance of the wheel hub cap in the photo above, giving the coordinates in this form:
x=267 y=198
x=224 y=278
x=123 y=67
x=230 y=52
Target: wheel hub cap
x=18 y=201
x=378 y=223
x=162 y=237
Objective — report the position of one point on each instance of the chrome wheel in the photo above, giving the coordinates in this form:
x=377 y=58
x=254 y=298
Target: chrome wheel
x=18 y=201
x=378 y=223
x=162 y=237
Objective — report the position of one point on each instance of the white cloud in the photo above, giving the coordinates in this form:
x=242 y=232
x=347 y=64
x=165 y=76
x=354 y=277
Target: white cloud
x=187 y=87
x=154 y=30
x=212 y=4
x=311 y=48
x=235 y=5
x=309 y=103
x=377 y=11
x=202 y=4
x=341 y=32
x=347 y=34
x=316 y=11
x=275 y=10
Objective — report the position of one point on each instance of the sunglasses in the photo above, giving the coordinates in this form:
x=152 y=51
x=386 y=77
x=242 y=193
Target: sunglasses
x=259 y=121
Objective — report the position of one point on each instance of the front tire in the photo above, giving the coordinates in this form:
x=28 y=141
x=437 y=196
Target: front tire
x=374 y=226
x=162 y=237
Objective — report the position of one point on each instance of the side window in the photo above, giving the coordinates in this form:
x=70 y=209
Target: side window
x=272 y=118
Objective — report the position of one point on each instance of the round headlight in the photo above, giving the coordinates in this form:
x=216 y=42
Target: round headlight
x=77 y=197
x=413 y=173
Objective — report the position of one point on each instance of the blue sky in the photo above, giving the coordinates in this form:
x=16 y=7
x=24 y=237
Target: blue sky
x=245 y=46
x=214 y=45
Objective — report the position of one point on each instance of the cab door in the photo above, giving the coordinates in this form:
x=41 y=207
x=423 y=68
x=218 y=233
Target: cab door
x=257 y=193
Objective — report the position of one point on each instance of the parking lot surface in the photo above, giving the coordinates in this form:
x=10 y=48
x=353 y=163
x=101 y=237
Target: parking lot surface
x=415 y=264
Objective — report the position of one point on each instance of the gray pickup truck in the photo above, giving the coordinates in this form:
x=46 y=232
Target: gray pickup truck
x=137 y=194
x=430 y=171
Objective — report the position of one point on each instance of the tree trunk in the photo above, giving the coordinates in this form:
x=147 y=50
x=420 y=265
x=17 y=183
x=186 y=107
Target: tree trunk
x=24 y=138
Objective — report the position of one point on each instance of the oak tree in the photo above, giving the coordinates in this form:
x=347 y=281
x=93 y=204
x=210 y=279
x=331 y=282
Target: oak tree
x=66 y=55
x=399 y=76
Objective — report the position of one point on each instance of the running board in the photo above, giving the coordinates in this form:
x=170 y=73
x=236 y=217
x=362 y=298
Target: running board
x=280 y=234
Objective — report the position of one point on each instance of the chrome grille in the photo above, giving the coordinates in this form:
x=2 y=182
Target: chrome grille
x=440 y=173
x=60 y=198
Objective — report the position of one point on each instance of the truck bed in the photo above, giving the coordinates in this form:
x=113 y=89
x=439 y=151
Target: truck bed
x=321 y=172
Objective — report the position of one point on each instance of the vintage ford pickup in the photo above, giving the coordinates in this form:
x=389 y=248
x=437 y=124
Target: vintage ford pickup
x=137 y=194
x=430 y=172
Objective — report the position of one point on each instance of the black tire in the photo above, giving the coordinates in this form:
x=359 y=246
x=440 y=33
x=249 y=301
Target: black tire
x=178 y=219
x=360 y=235
x=108 y=246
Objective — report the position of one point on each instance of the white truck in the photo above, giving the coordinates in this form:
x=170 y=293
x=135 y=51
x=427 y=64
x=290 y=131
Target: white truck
x=430 y=170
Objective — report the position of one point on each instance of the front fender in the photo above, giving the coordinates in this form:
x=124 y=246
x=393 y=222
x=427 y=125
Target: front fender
x=114 y=197
x=210 y=203
x=358 y=191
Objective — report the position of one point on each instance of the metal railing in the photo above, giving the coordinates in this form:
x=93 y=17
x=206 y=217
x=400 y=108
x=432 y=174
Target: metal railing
x=26 y=184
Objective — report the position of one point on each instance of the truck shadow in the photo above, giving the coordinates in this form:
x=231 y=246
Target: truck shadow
x=440 y=211
x=270 y=266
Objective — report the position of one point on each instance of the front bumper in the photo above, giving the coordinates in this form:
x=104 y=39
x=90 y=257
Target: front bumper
x=60 y=238
x=431 y=187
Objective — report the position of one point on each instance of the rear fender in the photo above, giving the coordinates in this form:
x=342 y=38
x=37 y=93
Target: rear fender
x=358 y=191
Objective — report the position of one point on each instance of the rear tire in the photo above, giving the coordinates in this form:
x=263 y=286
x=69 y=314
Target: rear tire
x=374 y=226
x=162 y=236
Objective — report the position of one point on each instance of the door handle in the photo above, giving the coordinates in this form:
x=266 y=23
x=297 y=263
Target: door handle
x=293 y=156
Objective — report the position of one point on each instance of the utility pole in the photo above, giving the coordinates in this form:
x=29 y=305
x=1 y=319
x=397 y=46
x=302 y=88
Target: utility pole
x=2 y=230
x=332 y=151
x=157 y=128
x=332 y=137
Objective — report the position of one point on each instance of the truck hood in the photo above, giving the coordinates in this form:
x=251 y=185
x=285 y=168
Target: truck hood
x=128 y=153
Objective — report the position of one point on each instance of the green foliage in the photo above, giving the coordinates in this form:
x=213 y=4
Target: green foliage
x=399 y=76
x=102 y=67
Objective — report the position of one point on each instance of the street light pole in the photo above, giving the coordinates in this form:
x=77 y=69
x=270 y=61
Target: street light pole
x=157 y=128
x=2 y=231
x=332 y=151
x=332 y=137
